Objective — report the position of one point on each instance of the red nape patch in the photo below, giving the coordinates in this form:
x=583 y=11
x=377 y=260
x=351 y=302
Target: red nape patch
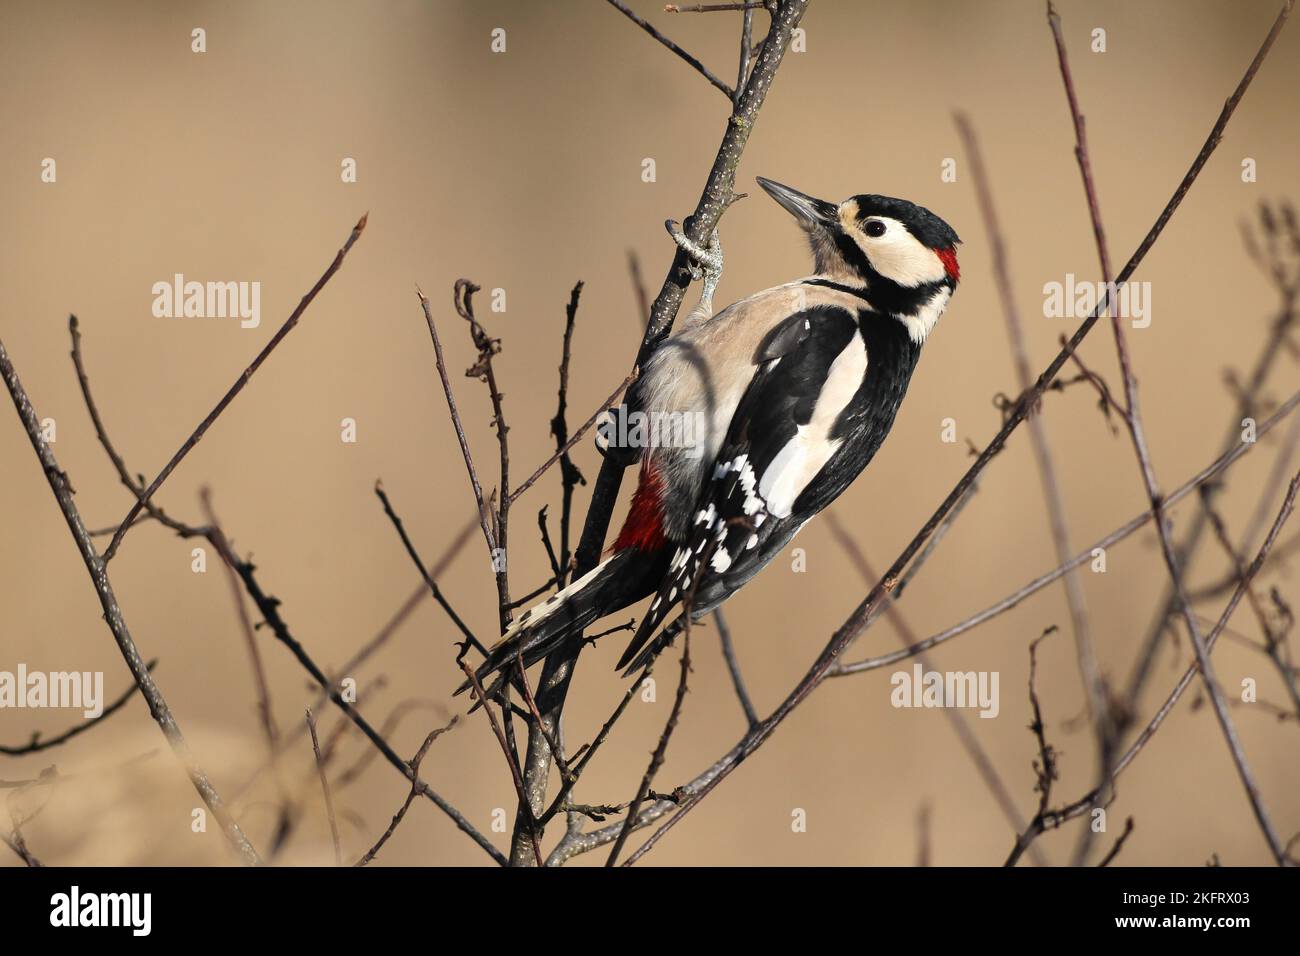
x=643 y=527
x=949 y=259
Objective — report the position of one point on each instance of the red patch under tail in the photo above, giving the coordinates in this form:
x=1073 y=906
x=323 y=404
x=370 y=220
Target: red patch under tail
x=643 y=527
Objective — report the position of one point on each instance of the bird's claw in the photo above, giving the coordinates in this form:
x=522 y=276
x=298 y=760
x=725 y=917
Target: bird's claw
x=704 y=263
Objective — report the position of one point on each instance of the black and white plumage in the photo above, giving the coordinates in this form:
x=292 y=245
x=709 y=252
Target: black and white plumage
x=796 y=388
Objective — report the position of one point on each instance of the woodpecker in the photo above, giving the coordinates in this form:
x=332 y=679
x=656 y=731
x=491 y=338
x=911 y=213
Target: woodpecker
x=796 y=387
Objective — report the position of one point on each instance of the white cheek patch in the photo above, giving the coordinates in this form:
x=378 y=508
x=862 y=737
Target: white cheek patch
x=899 y=256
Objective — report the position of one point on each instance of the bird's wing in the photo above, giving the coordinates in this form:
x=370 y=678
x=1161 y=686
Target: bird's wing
x=807 y=370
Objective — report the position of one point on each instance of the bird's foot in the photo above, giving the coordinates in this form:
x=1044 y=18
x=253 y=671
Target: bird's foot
x=704 y=262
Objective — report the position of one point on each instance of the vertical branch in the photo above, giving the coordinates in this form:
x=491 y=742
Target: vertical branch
x=570 y=476
x=482 y=369
x=325 y=789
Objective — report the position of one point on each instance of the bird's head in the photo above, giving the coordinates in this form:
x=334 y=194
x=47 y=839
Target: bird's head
x=900 y=255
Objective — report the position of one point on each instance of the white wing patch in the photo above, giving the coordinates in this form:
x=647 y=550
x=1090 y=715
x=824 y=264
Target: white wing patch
x=804 y=455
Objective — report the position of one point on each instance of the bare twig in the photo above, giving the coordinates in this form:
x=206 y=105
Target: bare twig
x=648 y=28
x=485 y=519
x=714 y=7
x=134 y=484
x=970 y=743
x=562 y=455
x=430 y=583
x=234 y=390
x=95 y=567
x=463 y=299
x=1133 y=419
x=325 y=789
x=570 y=476
x=1091 y=799
x=246 y=626
x=1209 y=473
x=733 y=668
x=512 y=758
x=1109 y=858
x=369 y=855
x=638 y=289
x=36 y=745
x=670 y=725
x=269 y=607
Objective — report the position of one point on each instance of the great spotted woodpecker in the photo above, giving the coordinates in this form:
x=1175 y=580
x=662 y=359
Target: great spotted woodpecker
x=796 y=387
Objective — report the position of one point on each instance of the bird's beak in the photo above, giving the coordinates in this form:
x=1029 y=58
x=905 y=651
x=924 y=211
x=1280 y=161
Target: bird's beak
x=809 y=211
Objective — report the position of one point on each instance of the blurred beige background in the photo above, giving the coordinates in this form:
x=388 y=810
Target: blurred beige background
x=522 y=171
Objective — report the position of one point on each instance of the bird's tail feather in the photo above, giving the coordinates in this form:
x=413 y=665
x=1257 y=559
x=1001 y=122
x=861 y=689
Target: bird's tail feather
x=651 y=649
x=545 y=626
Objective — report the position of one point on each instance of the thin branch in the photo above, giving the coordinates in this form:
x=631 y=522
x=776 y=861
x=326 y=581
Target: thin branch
x=484 y=517
x=1091 y=799
x=430 y=583
x=1109 y=858
x=1137 y=432
x=482 y=369
x=95 y=567
x=269 y=607
x=369 y=855
x=970 y=743
x=1248 y=398
x=1045 y=769
x=570 y=476
x=584 y=756
x=714 y=7
x=1209 y=473
x=246 y=626
x=733 y=668
x=648 y=28
x=557 y=570
x=135 y=484
x=670 y=725
x=562 y=454
x=234 y=390
x=325 y=789
x=512 y=758
x=36 y=745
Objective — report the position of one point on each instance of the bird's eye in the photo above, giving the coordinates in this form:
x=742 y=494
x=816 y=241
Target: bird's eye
x=874 y=228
